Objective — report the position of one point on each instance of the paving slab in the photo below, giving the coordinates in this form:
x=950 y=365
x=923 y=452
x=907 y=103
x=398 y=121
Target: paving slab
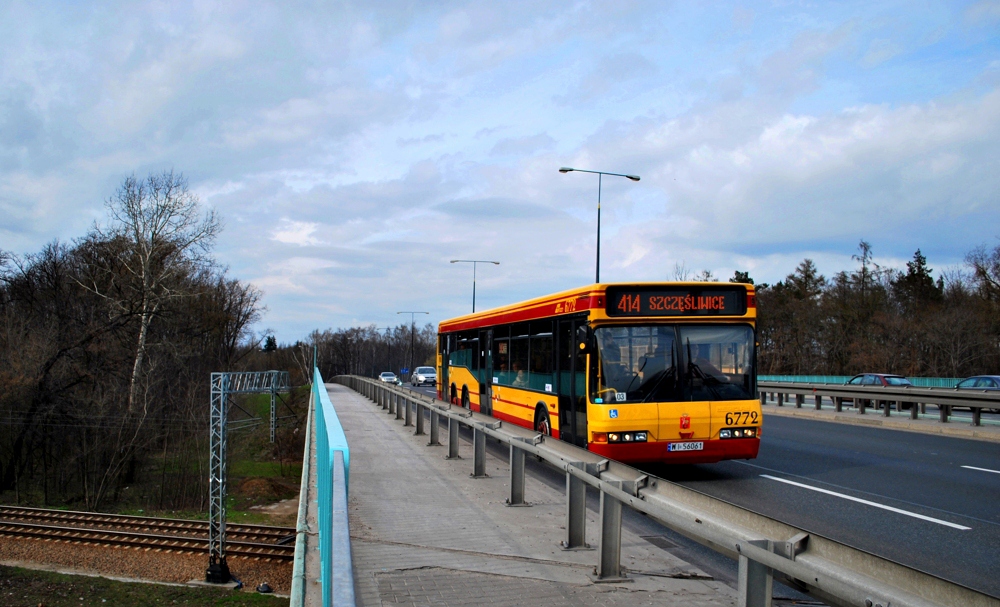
x=425 y=532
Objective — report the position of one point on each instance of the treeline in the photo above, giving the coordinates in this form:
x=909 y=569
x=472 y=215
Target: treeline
x=879 y=319
x=106 y=346
x=371 y=350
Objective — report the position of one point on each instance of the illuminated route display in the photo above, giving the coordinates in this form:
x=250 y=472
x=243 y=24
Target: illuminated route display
x=653 y=301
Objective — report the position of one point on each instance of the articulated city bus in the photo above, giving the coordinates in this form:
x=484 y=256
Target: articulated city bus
x=645 y=372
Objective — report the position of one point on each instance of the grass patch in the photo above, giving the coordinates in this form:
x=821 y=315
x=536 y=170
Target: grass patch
x=27 y=588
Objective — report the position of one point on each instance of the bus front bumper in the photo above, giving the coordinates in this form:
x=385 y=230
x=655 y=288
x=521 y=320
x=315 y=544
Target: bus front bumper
x=658 y=451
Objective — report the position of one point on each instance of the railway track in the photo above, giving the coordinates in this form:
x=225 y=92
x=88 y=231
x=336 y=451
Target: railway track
x=253 y=541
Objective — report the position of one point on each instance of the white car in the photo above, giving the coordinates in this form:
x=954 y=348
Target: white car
x=389 y=377
x=422 y=376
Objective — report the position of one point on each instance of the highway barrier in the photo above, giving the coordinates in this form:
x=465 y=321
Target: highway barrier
x=914 y=398
x=333 y=462
x=920 y=382
x=765 y=548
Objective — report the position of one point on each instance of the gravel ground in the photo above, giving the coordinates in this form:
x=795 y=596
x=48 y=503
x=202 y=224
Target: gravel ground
x=139 y=564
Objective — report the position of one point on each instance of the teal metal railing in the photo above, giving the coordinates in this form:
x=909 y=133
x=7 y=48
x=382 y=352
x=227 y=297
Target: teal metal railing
x=922 y=382
x=333 y=463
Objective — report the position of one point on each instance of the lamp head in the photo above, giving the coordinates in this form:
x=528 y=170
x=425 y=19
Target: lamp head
x=565 y=170
x=633 y=177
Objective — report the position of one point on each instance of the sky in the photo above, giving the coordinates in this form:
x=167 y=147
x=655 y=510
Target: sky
x=354 y=148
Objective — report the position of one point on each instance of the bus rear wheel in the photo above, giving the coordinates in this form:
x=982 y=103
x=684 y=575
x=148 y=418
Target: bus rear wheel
x=542 y=425
x=465 y=398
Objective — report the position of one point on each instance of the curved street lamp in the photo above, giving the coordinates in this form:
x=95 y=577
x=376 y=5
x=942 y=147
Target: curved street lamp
x=600 y=175
x=474 y=262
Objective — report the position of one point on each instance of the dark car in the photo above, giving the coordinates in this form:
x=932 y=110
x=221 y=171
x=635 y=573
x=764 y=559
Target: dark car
x=885 y=380
x=984 y=383
x=989 y=383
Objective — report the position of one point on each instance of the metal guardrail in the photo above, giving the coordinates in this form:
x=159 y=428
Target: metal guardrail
x=333 y=460
x=923 y=382
x=916 y=398
x=766 y=549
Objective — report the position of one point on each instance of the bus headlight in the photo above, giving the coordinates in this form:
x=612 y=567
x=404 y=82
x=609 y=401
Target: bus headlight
x=630 y=436
x=727 y=433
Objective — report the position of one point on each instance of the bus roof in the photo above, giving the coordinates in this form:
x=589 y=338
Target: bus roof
x=581 y=299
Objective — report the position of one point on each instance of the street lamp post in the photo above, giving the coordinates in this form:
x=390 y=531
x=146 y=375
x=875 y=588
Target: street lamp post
x=600 y=175
x=474 y=262
x=412 y=330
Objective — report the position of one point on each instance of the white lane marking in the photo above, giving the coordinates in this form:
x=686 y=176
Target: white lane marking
x=982 y=469
x=868 y=503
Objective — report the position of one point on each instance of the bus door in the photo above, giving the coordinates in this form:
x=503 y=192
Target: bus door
x=486 y=363
x=571 y=383
x=444 y=347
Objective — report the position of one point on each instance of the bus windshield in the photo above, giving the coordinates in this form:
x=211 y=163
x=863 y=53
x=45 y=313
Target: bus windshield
x=672 y=363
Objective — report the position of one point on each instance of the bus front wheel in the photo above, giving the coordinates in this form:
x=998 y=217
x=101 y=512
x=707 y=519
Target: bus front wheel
x=542 y=425
x=465 y=398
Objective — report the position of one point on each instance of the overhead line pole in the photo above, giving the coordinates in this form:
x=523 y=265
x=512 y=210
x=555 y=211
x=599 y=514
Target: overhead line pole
x=412 y=330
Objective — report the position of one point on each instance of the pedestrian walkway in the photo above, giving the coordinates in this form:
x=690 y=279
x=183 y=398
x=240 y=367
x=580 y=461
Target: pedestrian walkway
x=960 y=425
x=424 y=532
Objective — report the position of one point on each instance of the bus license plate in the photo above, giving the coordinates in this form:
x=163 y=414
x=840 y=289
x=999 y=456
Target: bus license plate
x=685 y=446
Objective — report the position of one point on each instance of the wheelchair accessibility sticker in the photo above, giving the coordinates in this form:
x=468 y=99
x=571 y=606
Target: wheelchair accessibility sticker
x=614 y=413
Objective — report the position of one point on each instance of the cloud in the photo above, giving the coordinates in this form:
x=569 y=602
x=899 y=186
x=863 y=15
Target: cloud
x=522 y=145
x=296 y=232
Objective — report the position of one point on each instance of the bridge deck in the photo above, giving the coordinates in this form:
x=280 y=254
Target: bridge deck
x=425 y=532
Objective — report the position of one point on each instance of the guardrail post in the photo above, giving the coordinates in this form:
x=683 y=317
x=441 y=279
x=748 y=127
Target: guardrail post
x=420 y=420
x=885 y=408
x=838 y=404
x=609 y=564
x=754 y=580
x=576 y=512
x=399 y=409
x=923 y=408
x=435 y=428
x=478 y=453
x=913 y=410
x=408 y=415
x=976 y=414
x=516 y=476
x=453 y=439
x=799 y=399
x=384 y=404
x=819 y=402
x=763 y=398
x=861 y=403
x=781 y=399
x=943 y=413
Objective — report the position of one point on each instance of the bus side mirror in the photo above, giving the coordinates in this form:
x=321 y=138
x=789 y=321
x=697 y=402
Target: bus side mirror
x=584 y=339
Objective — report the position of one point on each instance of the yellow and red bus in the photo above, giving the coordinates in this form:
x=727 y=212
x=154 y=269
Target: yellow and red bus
x=643 y=372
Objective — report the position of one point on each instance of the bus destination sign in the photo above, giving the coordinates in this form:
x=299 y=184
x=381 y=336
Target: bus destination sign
x=692 y=301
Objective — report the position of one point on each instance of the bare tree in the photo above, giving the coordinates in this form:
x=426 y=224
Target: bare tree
x=167 y=234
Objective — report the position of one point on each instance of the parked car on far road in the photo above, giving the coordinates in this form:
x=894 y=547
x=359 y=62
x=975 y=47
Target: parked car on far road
x=424 y=376
x=885 y=380
x=879 y=379
x=984 y=383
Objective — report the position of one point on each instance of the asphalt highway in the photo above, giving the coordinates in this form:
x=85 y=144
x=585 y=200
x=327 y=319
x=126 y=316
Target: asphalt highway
x=925 y=501
x=929 y=502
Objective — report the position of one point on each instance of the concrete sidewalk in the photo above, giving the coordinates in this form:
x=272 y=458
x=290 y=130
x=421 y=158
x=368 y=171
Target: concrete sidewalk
x=960 y=425
x=424 y=532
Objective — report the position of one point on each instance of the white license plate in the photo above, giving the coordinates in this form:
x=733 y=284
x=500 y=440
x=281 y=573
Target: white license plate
x=685 y=446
